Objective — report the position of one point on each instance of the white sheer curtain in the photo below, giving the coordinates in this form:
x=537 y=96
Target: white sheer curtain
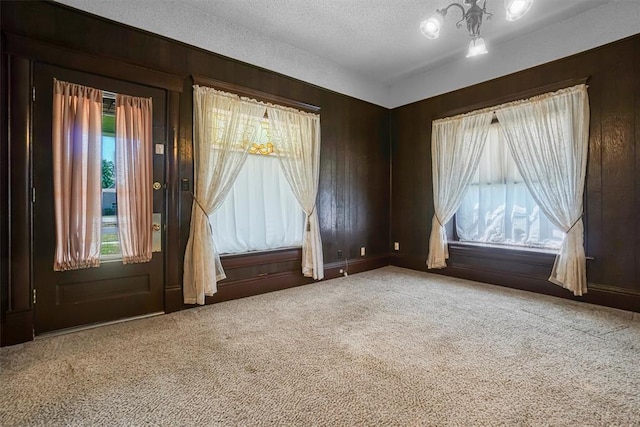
x=498 y=208
x=296 y=138
x=224 y=126
x=548 y=136
x=134 y=177
x=456 y=146
x=76 y=140
x=260 y=211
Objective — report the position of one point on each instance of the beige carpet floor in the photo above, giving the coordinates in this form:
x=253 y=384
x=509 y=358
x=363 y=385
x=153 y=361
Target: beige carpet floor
x=385 y=347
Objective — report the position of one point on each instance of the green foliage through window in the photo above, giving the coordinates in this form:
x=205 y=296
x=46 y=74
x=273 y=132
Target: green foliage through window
x=108 y=174
x=108 y=125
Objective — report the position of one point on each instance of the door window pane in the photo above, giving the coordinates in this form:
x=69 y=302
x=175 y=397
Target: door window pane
x=110 y=245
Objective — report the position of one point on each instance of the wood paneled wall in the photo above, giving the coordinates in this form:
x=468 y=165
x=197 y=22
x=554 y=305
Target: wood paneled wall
x=612 y=198
x=361 y=144
x=353 y=200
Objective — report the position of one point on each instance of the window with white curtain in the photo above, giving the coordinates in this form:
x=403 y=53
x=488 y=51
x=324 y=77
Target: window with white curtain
x=498 y=208
x=260 y=212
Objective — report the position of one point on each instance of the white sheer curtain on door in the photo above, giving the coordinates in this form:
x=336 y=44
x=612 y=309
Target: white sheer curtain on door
x=224 y=126
x=296 y=138
x=77 y=171
x=548 y=136
x=134 y=176
x=456 y=145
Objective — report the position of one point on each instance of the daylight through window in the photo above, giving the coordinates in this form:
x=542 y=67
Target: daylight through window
x=260 y=212
x=498 y=208
x=110 y=244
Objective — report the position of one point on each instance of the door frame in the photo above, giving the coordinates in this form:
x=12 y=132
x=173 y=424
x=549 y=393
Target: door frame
x=114 y=290
x=20 y=52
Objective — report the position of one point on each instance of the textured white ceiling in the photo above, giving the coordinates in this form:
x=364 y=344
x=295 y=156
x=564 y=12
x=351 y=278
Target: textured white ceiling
x=379 y=38
x=373 y=49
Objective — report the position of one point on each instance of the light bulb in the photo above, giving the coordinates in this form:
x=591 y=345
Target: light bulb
x=516 y=9
x=430 y=27
x=477 y=47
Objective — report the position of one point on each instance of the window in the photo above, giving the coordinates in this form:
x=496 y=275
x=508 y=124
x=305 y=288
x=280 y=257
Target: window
x=110 y=243
x=93 y=221
x=226 y=129
x=260 y=212
x=498 y=208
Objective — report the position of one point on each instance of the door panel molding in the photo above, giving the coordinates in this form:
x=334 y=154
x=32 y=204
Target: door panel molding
x=102 y=289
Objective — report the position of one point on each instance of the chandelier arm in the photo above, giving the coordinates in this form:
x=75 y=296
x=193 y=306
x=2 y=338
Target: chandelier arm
x=446 y=9
x=484 y=11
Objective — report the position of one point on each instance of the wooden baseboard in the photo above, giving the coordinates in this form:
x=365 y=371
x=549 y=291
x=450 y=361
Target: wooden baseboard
x=238 y=289
x=624 y=299
x=273 y=282
x=173 y=300
x=258 y=285
x=410 y=262
x=353 y=266
x=17 y=327
x=609 y=296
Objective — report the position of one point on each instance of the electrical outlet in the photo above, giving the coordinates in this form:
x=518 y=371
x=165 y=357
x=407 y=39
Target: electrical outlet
x=396 y=246
x=339 y=253
x=341 y=270
x=362 y=251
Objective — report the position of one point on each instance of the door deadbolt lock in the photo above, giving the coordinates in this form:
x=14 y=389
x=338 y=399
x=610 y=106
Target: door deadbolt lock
x=157 y=185
x=156 y=227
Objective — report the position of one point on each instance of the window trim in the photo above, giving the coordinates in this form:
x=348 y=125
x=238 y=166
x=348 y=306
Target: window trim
x=268 y=256
x=255 y=94
x=525 y=94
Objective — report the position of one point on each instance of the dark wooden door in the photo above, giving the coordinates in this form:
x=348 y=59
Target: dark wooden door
x=113 y=290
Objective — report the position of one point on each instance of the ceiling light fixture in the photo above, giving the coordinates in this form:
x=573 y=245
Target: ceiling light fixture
x=473 y=16
x=516 y=9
